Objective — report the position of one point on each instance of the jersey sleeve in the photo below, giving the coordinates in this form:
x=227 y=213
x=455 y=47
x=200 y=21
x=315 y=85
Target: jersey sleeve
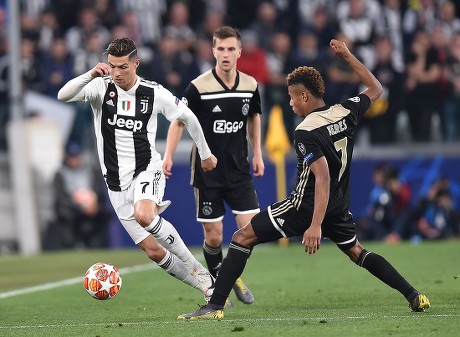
x=168 y=104
x=83 y=88
x=358 y=105
x=191 y=98
x=308 y=147
x=255 y=105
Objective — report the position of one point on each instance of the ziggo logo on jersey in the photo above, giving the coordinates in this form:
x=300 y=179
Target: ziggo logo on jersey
x=125 y=123
x=222 y=126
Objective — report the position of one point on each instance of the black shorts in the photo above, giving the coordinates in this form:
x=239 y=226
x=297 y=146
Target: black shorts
x=210 y=201
x=282 y=219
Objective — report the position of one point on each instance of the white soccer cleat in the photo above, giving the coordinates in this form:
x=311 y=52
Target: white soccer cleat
x=205 y=282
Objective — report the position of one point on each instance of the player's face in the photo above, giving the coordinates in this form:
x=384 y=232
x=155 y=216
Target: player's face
x=226 y=52
x=123 y=71
x=298 y=98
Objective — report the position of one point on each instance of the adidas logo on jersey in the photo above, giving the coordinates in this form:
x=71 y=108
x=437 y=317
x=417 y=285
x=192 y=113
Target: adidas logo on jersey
x=110 y=102
x=280 y=221
x=216 y=109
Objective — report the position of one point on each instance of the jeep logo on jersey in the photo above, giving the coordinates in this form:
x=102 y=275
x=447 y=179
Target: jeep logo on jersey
x=125 y=105
x=222 y=126
x=125 y=123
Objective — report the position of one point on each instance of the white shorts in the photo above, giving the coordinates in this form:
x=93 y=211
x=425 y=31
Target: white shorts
x=148 y=185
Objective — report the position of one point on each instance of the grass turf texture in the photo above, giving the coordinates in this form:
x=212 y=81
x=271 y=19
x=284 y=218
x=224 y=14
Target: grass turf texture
x=295 y=294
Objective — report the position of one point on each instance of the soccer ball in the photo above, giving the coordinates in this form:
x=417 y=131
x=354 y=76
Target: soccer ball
x=102 y=281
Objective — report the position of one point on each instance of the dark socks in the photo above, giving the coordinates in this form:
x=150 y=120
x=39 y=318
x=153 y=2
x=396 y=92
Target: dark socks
x=232 y=268
x=213 y=257
x=384 y=271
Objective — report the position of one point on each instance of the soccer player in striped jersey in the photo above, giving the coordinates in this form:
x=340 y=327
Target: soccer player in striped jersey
x=227 y=104
x=319 y=204
x=125 y=108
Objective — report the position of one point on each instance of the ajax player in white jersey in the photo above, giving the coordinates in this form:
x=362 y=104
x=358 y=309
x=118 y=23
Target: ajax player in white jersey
x=125 y=108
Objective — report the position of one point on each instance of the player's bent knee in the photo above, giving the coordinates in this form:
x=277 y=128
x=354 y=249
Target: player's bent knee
x=244 y=238
x=143 y=218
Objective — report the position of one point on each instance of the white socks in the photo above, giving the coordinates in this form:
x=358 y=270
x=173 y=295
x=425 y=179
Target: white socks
x=175 y=267
x=166 y=235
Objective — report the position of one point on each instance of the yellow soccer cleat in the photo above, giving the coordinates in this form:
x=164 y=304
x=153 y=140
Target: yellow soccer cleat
x=204 y=312
x=419 y=303
x=242 y=292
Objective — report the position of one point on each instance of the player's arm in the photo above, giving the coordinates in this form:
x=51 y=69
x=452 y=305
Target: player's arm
x=254 y=127
x=373 y=86
x=208 y=160
x=175 y=131
x=73 y=91
x=312 y=236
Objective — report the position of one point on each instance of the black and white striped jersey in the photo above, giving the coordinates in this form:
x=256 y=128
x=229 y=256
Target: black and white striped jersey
x=223 y=113
x=126 y=126
x=329 y=132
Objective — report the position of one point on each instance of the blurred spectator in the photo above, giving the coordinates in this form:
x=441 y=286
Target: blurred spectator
x=203 y=56
x=382 y=115
x=419 y=16
x=265 y=24
x=309 y=9
x=212 y=21
x=81 y=213
x=105 y=11
x=88 y=23
x=389 y=24
x=380 y=213
x=49 y=30
x=356 y=20
x=253 y=60
x=439 y=220
x=178 y=27
x=451 y=108
x=448 y=20
x=170 y=68
x=324 y=26
x=421 y=86
x=308 y=51
x=56 y=67
x=279 y=62
x=149 y=14
x=89 y=55
x=30 y=65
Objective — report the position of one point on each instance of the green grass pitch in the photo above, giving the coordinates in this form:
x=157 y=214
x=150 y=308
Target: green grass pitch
x=295 y=295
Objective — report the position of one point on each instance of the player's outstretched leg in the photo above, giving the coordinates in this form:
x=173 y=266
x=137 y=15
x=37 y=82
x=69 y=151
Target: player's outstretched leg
x=383 y=270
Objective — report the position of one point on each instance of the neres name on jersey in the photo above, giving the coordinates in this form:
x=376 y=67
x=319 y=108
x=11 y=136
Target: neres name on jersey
x=337 y=127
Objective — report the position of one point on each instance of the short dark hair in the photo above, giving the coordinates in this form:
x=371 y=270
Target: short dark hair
x=224 y=33
x=122 y=47
x=310 y=78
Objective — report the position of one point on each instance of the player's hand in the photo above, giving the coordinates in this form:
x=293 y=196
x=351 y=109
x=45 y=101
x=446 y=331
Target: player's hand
x=312 y=239
x=209 y=164
x=167 y=167
x=258 y=166
x=100 y=70
x=340 y=48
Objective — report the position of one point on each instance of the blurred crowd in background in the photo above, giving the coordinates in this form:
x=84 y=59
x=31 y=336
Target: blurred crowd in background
x=413 y=47
x=396 y=213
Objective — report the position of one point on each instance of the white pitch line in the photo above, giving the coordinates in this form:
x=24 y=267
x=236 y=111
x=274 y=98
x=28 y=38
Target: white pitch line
x=70 y=281
x=223 y=321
